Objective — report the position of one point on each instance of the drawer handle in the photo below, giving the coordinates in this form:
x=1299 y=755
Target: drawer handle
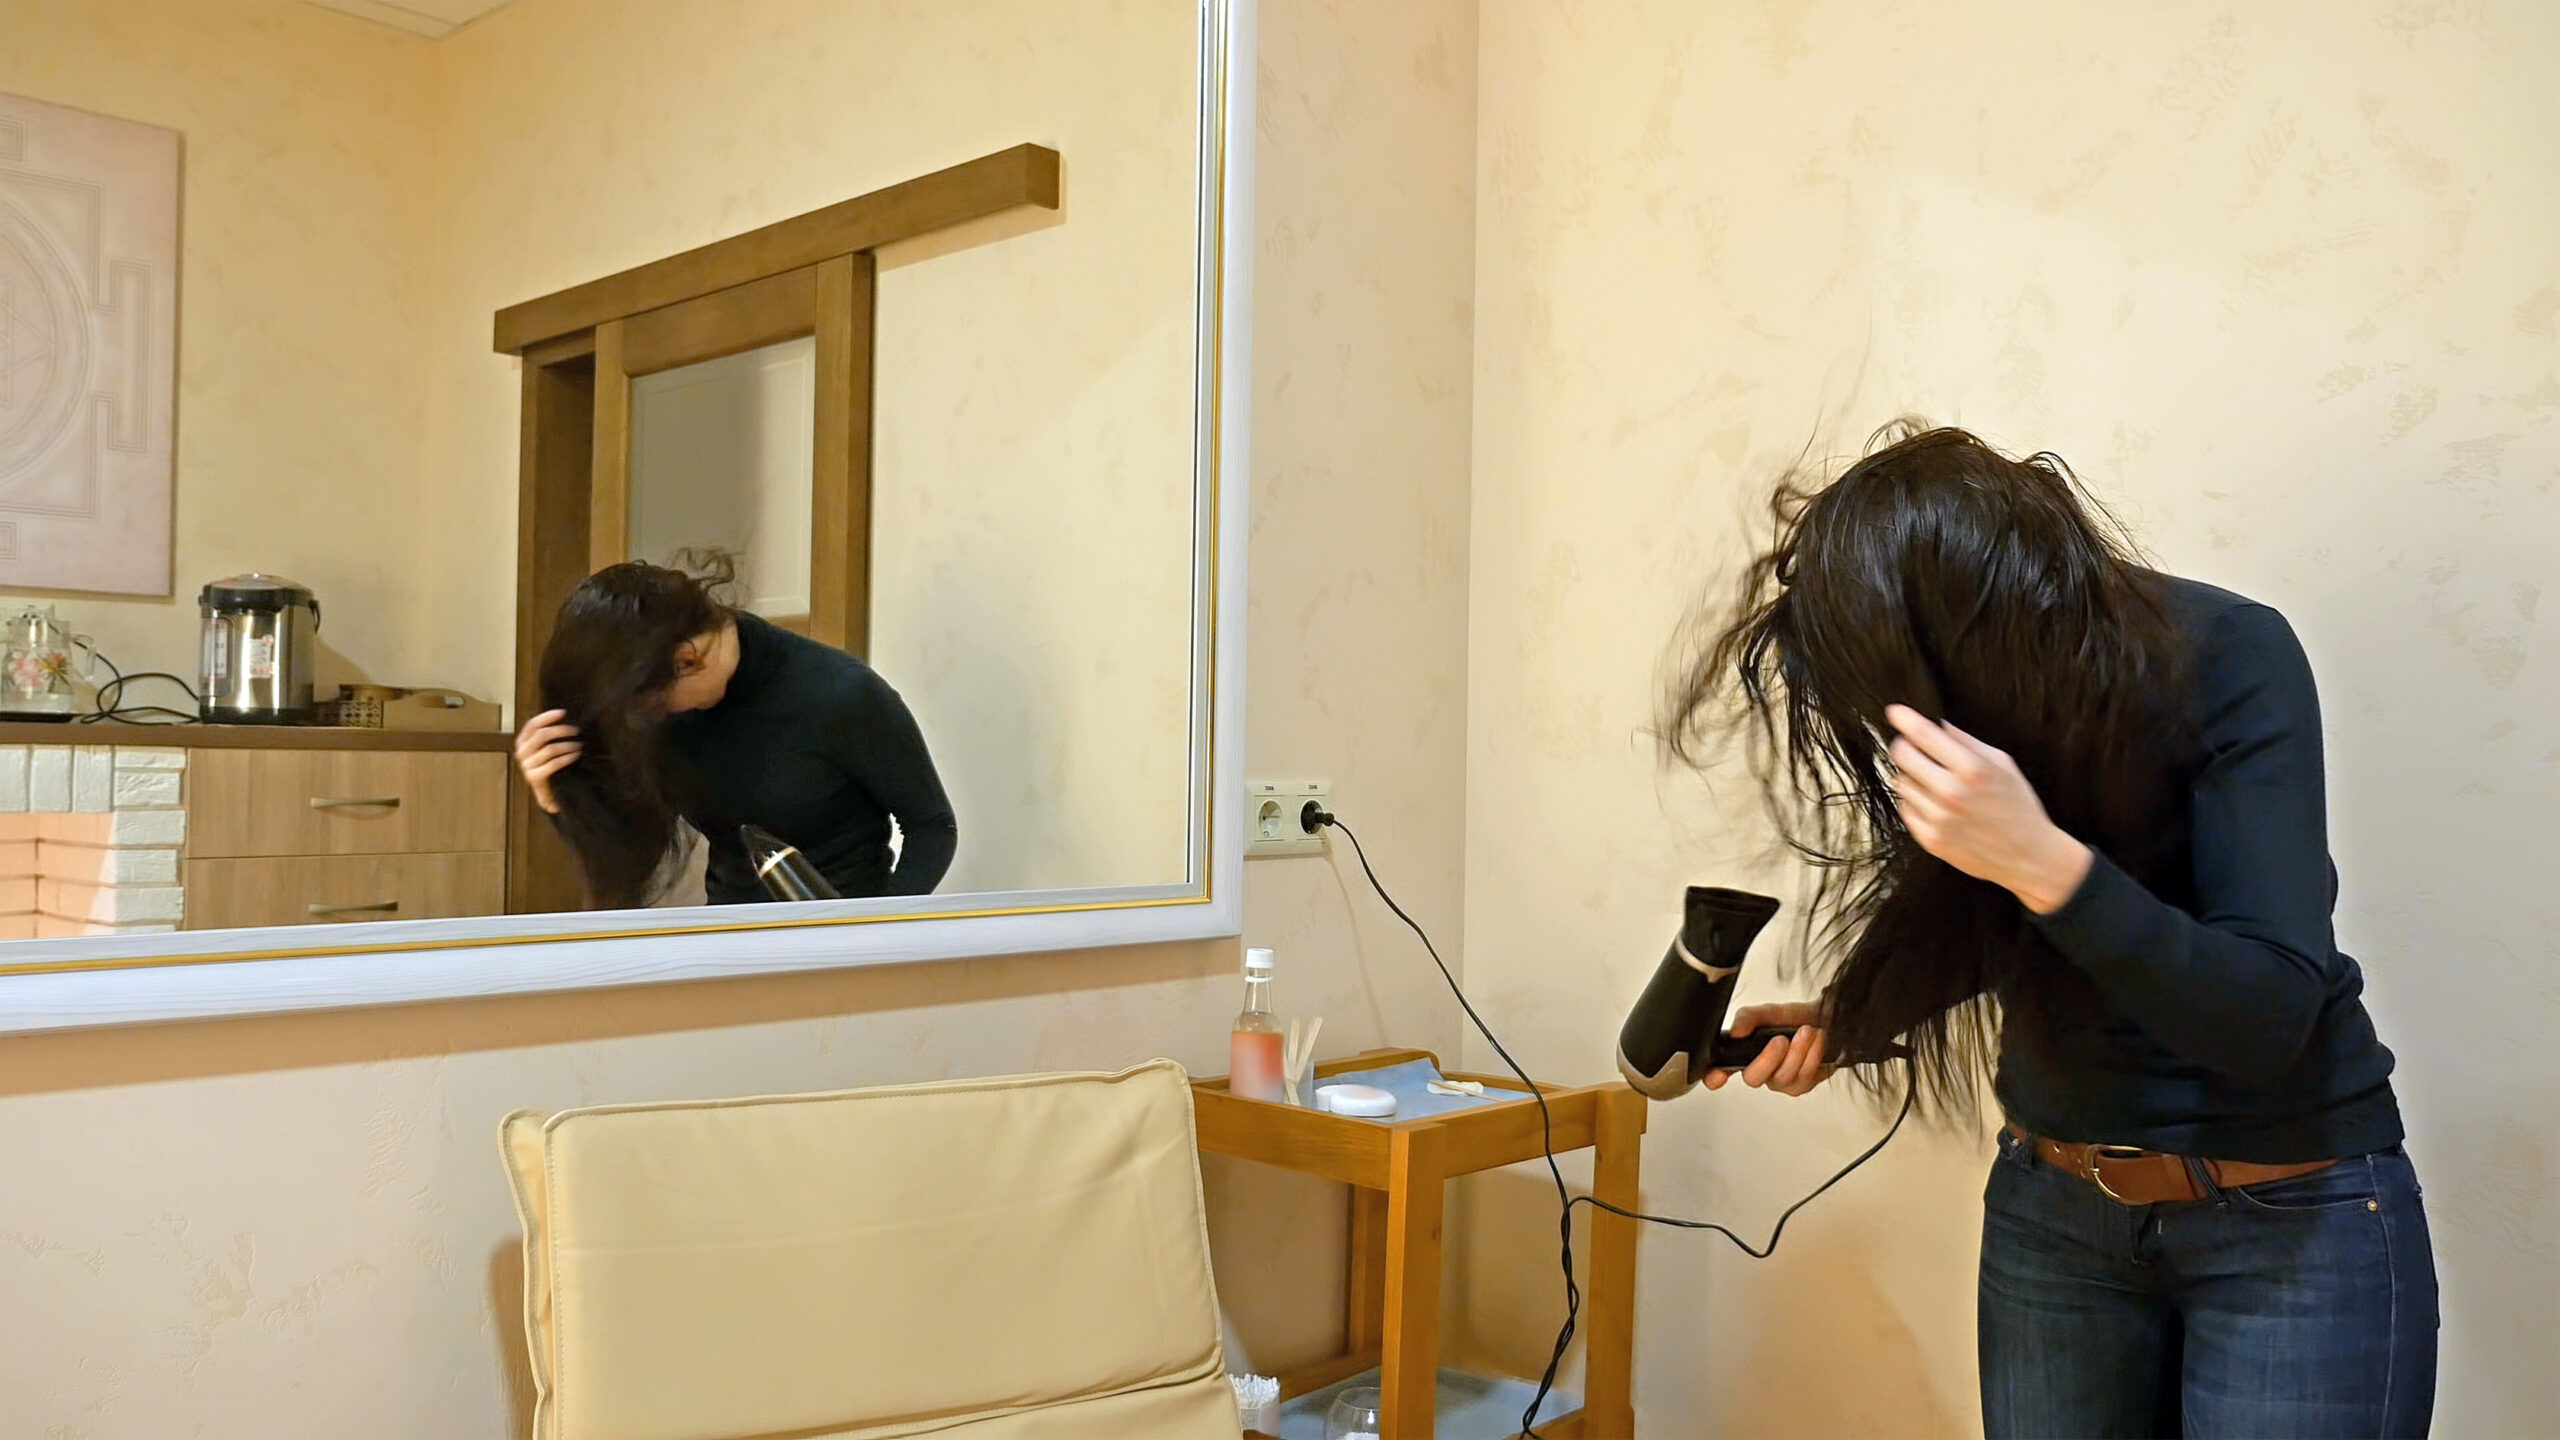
x=386 y=907
x=387 y=802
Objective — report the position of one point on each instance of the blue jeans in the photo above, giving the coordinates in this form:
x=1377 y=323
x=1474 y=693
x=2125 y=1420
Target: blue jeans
x=2305 y=1307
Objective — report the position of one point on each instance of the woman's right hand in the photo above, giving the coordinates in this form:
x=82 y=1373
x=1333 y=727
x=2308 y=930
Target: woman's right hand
x=1792 y=1064
x=547 y=745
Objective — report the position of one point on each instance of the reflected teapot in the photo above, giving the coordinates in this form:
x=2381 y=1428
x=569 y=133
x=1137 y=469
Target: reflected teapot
x=38 y=680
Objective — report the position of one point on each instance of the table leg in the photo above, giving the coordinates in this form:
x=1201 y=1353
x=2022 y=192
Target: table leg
x=1410 y=1365
x=1608 y=1367
x=1365 y=1290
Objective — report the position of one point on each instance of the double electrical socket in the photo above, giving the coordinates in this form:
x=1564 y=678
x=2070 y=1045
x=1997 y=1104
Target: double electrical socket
x=1271 y=819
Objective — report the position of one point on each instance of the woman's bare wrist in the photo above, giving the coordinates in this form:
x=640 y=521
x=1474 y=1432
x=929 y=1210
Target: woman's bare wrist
x=2057 y=877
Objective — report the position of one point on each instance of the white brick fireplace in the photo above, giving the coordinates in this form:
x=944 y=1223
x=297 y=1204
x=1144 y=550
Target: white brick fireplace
x=91 y=838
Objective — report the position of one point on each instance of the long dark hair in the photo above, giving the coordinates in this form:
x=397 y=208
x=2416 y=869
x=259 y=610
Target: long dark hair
x=1975 y=588
x=610 y=660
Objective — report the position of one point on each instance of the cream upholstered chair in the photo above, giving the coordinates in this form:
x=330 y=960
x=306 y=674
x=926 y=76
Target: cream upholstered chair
x=1014 y=1257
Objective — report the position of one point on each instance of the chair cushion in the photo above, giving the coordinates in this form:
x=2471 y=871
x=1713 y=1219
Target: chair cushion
x=1015 y=1256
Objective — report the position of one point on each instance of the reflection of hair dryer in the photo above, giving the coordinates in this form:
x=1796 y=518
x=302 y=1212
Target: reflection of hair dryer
x=784 y=871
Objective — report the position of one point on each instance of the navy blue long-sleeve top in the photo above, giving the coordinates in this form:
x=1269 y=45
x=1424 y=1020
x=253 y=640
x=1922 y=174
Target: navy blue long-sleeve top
x=2236 y=1028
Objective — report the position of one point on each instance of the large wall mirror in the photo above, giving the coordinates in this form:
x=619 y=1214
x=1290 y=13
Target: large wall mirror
x=909 y=338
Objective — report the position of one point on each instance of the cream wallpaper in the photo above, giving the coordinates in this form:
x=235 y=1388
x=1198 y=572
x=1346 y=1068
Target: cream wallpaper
x=1035 y=601
x=304 y=288
x=2278 y=278
x=298 y=1227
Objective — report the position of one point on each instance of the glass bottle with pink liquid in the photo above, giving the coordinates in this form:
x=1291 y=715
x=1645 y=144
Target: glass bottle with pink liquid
x=1253 y=1051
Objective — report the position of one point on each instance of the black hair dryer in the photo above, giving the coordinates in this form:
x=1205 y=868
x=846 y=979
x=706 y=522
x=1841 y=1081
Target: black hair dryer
x=1675 y=1033
x=785 y=873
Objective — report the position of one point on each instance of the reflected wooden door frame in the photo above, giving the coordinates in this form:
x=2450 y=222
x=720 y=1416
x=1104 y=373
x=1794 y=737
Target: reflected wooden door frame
x=831 y=302
x=814 y=274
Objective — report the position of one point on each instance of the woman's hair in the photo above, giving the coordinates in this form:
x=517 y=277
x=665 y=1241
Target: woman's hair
x=610 y=660
x=1977 y=589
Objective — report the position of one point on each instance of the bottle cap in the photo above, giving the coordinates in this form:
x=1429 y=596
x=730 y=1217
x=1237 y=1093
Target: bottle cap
x=1257 y=960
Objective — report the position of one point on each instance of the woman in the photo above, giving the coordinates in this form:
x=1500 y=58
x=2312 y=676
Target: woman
x=665 y=704
x=2070 y=819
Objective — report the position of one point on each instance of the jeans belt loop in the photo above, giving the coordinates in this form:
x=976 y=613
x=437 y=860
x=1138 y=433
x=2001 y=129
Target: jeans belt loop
x=2202 y=1171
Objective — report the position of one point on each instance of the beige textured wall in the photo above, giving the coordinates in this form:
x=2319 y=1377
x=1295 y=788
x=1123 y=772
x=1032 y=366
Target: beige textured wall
x=2278 y=278
x=1357 y=600
x=1033 y=452
x=305 y=248
x=297 y=1226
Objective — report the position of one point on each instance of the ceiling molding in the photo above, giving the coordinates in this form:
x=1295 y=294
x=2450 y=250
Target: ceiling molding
x=434 y=19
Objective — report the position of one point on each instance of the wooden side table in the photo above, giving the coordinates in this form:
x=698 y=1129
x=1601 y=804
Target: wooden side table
x=1399 y=1171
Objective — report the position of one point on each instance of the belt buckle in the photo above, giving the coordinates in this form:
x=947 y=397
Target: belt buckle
x=2096 y=1153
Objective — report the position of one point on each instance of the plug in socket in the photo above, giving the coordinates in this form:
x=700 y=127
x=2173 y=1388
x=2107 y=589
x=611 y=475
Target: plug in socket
x=1272 y=811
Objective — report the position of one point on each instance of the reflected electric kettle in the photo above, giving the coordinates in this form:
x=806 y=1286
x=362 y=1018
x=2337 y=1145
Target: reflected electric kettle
x=261 y=646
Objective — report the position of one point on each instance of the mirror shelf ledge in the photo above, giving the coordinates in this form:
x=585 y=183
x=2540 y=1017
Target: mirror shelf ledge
x=123 y=982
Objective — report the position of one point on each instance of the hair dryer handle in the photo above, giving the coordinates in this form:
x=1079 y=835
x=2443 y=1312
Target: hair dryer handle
x=1736 y=1052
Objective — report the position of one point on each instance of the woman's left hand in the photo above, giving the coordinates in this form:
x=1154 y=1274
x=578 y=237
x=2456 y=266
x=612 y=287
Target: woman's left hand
x=1967 y=804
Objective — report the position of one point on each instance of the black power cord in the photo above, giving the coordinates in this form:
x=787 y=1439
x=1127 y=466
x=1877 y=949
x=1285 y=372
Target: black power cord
x=109 y=703
x=1314 y=818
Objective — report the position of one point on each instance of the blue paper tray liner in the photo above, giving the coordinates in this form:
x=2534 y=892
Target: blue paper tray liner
x=1407 y=1083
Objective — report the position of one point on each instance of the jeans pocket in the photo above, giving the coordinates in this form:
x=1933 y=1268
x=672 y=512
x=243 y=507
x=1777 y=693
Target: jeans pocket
x=2347 y=1184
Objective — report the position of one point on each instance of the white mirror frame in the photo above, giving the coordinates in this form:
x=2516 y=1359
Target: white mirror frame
x=63 y=984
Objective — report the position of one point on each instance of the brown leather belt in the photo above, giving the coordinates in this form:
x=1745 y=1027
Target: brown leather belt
x=2130 y=1175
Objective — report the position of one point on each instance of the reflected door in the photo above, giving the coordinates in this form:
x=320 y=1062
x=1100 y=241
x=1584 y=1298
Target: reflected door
x=740 y=422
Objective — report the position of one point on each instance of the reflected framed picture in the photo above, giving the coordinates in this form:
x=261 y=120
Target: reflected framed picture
x=88 y=349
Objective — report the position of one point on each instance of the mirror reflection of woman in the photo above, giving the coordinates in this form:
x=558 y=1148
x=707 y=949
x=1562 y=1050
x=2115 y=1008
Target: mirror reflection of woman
x=662 y=704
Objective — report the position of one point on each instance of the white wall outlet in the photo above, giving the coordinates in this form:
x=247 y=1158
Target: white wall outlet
x=1271 y=817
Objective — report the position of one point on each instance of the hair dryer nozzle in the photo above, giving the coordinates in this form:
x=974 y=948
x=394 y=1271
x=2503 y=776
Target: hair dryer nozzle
x=1669 y=1042
x=785 y=873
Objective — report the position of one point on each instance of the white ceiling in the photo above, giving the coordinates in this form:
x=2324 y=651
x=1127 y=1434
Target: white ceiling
x=433 y=18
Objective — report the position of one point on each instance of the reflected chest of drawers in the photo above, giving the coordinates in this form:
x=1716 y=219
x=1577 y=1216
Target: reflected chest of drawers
x=121 y=829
